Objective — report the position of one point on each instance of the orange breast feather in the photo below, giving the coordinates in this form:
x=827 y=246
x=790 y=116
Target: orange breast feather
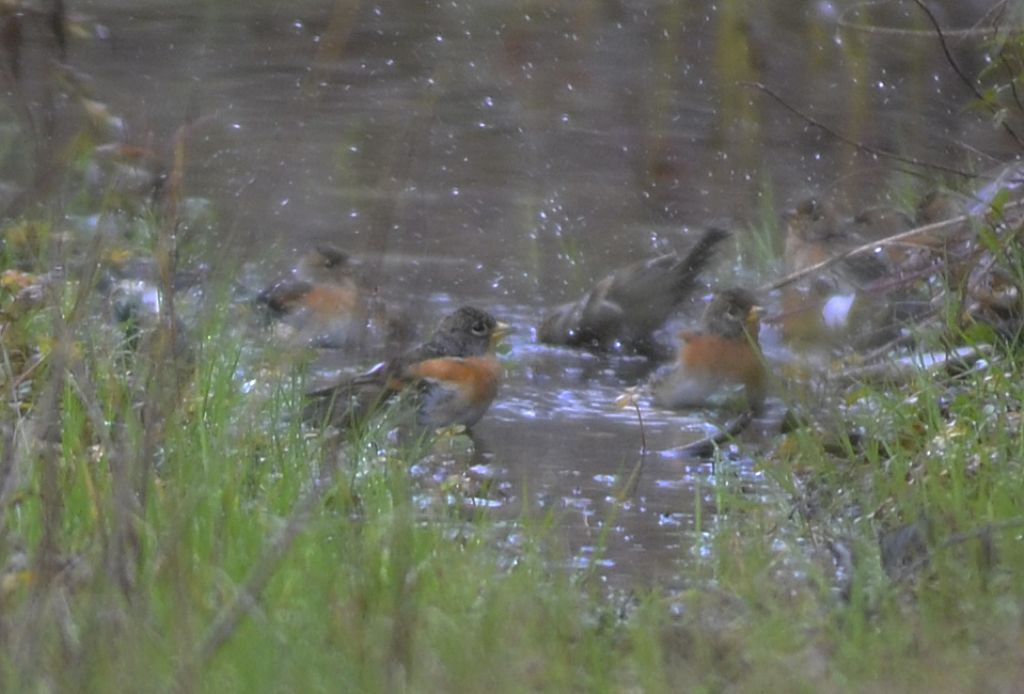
x=734 y=361
x=477 y=376
x=329 y=299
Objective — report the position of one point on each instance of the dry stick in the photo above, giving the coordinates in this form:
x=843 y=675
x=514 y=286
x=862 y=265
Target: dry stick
x=643 y=434
x=996 y=12
x=959 y=72
x=42 y=427
x=904 y=371
x=886 y=349
x=634 y=476
x=703 y=448
x=231 y=615
x=994 y=16
x=957 y=539
x=913 y=161
x=864 y=248
x=1012 y=82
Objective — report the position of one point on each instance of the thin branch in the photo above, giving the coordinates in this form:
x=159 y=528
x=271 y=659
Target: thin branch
x=1012 y=81
x=917 y=564
x=643 y=434
x=634 y=476
x=633 y=480
x=867 y=247
x=959 y=71
x=992 y=17
x=854 y=143
x=231 y=615
x=705 y=447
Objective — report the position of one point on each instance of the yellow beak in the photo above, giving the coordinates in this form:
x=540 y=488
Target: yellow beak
x=500 y=330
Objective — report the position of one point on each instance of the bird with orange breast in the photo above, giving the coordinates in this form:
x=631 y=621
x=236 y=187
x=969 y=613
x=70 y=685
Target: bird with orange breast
x=623 y=310
x=321 y=304
x=720 y=363
x=449 y=380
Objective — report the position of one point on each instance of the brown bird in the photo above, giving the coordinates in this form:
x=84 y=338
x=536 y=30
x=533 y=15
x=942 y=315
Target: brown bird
x=322 y=302
x=452 y=378
x=622 y=311
x=815 y=232
x=830 y=306
x=720 y=359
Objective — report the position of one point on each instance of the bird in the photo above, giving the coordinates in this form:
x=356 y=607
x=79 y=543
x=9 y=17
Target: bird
x=321 y=303
x=451 y=379
x=622 y=311
x=720 y=359
x=815 y=232
x=831 y=306
x=954 y=241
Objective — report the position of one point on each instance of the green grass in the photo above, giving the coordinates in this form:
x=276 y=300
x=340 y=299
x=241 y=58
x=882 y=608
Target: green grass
x=138 y=542
x=166 y=528
x=167 y=523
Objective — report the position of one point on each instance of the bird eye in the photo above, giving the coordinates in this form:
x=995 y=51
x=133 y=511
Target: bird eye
x=479 y=328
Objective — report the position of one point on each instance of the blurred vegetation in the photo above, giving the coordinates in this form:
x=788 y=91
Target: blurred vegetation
x=168 y=523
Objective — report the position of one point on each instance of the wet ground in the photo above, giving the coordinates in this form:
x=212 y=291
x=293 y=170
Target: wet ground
x=505 y=154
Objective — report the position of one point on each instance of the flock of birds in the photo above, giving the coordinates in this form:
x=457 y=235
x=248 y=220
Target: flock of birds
x=452 y=377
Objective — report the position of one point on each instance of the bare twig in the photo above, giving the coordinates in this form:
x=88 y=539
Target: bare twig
x=871 y=246
x=981 y=533
x=1012 y=81
x=913 y=161
x=959 y=71
x=643 y=433
x=705 y=447
x=634 y=475
x=992 y=17
x=232 y=614
x=905 y=370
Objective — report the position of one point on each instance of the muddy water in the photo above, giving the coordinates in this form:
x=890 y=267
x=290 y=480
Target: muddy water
x=505 y=154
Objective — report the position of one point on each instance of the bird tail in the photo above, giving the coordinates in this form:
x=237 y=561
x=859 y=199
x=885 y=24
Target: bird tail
x=694 y=262
x=350 y=402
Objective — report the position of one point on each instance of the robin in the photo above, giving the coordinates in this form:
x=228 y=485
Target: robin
x=322 y=303
x=954 y=241
x=622 y=311
x=719 y=359
x=815 y=232
x=452 y=377
x=824 y=307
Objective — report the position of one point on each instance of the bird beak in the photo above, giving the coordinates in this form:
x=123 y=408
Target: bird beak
x=754 y=317
x=500 y=331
